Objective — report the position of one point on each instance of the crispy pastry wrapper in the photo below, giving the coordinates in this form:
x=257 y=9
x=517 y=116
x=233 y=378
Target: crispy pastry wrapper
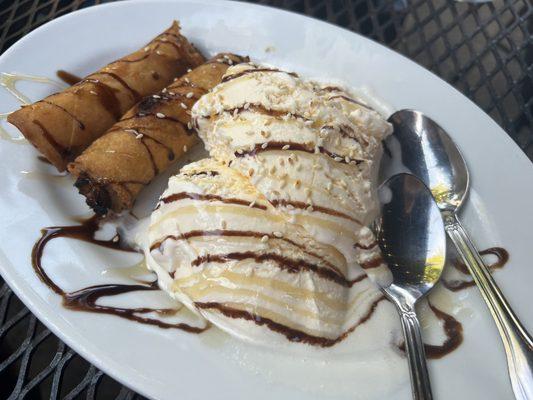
x=112 y=171
x=62 y=125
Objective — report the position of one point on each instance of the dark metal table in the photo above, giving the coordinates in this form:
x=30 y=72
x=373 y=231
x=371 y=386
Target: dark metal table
x=484 y=50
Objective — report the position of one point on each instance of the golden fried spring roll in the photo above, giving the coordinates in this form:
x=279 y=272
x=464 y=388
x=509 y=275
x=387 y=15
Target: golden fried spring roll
x=62 y=125
x=149 y=137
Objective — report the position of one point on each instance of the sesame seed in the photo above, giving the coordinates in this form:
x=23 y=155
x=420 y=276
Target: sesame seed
x=338 y=158
x=239 y=151
x=286 y=147
x=147 y=48
x=189 y=95
x=246 y=106
x=189 y=70
x=251 y=204
x=264 y=145
x=347 y=159
x=264 y=238
x=186 y=79
x=139 y=136
x=116 y=239
x=164 y=90
x=277 y=234
x=308 y=122
x=158 y=52
x=183 y=105
x=93 y=92
x=188 y=112
x=156 y=96
x=189 y=125
x=230 y=61
x=220 y=60
x=185 y=148
x=235 y=112
x=160 y=115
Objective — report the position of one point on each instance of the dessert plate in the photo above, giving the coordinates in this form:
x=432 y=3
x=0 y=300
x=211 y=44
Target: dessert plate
x=164 y=363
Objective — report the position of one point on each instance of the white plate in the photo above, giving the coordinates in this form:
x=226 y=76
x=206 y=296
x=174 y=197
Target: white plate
x=170 y=364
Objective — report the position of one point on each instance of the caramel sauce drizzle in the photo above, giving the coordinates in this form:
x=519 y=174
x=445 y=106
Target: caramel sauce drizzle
x=303 y=206
x=237 y=233
x=285 y=263
x=209 y=197
x=8 y=81
x=293 y=335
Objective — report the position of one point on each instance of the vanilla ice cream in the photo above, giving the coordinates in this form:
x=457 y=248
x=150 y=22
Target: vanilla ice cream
x=268 y=238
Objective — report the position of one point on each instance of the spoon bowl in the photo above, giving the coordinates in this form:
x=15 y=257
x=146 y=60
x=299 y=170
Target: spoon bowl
x=421 y=147
x=425 y=150
x=410 y=233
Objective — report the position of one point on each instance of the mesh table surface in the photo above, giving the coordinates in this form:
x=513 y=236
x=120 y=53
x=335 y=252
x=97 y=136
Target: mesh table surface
x=485 y=50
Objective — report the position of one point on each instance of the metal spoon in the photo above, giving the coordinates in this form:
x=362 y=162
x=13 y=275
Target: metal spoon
x=411 y=235
x=421 y=147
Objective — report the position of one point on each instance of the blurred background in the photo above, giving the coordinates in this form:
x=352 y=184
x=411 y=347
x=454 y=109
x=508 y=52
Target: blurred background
x=484 y=49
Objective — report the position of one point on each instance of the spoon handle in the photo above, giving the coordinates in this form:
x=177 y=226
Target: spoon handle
x=414 y=347
x=517 y=342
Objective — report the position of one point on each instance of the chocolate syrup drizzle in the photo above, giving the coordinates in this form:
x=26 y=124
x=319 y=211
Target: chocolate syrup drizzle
x=453 y=331
x=293 y=335
x=275 y=145
x=502 y=256
x=291 y=265
x=252 y=71
x=67 y=77
x=86 y=299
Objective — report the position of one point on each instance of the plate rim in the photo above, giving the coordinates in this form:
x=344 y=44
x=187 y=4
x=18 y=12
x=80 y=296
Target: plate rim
x=35 y=302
